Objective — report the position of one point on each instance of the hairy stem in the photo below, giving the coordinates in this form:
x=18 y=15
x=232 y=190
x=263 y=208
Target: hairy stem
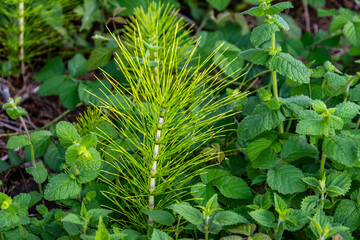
x=177 y=230
x=206 y=227
x=274 y=80
x=21 y=231
x=322 y=165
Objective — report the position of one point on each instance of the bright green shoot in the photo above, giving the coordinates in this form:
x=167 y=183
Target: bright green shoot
x=166 y=113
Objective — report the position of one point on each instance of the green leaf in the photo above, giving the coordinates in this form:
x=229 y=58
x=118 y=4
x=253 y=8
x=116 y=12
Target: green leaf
x=352 y=32
x=213 y=173
x=212 y=203
x=288 y=66
x=334 y=85
x=219 y=4
x=279 y=204
x=67 y=133
x=347 y=213
x=202 y=193
x=99 y=57
x=227 y=58
x=278 y=8
x=318 y=106
x=254 y=55
x=160 y=216
x=72 y=154
x=309 y=203
x=233 y=187
x=160 y=235
x=262 y=201
x=72 y=218
x=89 y=92
x=296 y=220
x=69 y=96
x=91 y=162
x=286 y=179
x=296 y=147
x=40 y=173
x=188 y=212
x=261 y=154
x=102 y=232
x=61 y=187
x=281 y=23
x=340 y=149
x=77 y=66
x=338 y=22
x=245 y=229
x=265 y=119
x=90 y=7
x=313 y=182
x=54 y=67
x=310 y=127
x=89 y=140
x=18 y=142
x=52 y=85
x=262 y=33
x=254 y=11
x=39 y=135
x=338 y=183
x=226 y=218
x=347 y=111
x=263 y=217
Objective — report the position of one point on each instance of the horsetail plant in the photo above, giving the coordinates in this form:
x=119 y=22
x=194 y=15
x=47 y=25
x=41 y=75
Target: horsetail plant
x=167 y=112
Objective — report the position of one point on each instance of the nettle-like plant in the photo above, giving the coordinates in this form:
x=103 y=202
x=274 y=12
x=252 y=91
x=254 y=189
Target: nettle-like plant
x=315 y=147
x=167 y=111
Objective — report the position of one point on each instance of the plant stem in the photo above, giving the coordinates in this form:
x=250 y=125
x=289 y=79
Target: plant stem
x=151 y=203
x=206 y=227
x=21 y=37
x=322 y=165
x=274 y=80
x=357 y=124
x=21 y=231
x=177 y=230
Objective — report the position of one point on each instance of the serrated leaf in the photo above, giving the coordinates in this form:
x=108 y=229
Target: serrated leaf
x=296 y=220
x=334 y=85
x=309 y=203
x=213 y=173
x=347 y=213
x=340 y=149
x=71 y=154
x=61 y=187
x=67 y=133
x=245 y=229
x=188 y=212
x=338 y=183
x=313 y=182
x=257 y=56
x=72 y=218
x=265 y=119
x=261 y=154
x=233 y=187
x=52 y=68
x=160 y=216
x=202 y=193
x=310 y=127
x=160 y=235
x=296 y=147
x=226 y=218
x=254 y=11
x=18 y=142
x=40 y=173
x=99 y=57
x=263 y=217
x=89 y=140
x=262 y=201
x=288 y=66
x=338 y=22
x=347 y=111
x=262 y=33
x=352 y=32
x=77 y=66
x=286 y=179
x=281 y=23
x=39 y=135
x=279 y=7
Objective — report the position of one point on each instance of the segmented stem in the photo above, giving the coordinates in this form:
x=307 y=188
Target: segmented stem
x=152 y=184
x=21 y=36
